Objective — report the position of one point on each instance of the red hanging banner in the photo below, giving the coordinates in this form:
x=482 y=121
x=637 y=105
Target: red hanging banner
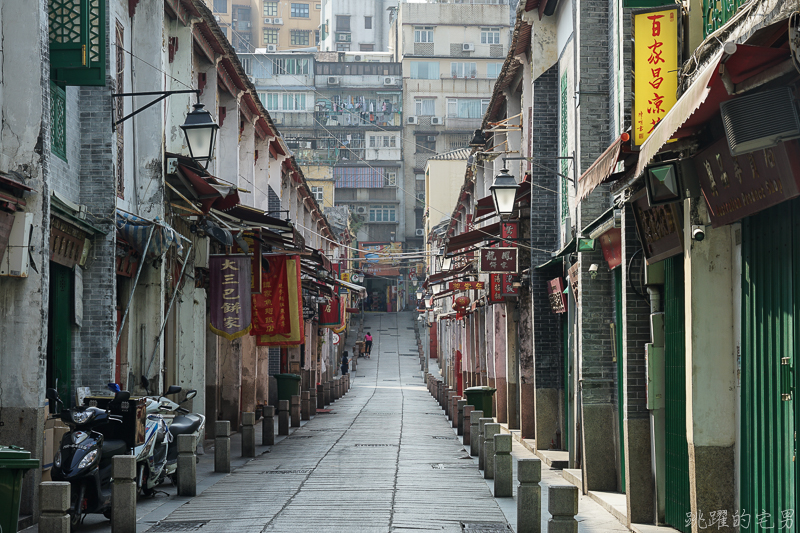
x=329 y=313
x=508 y=288
x=294 y=307
x=495 y=289
x=509 y=230
x=271 y=307
x=229 y=295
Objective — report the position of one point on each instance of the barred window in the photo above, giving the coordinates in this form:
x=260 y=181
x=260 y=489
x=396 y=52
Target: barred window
x=270 y=36
x=270 y=9
x=299 y=37
x=300 y=10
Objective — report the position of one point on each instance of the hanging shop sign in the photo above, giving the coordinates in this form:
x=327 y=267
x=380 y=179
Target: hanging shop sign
x=253 y=240
x=659 y=228
x=271 y=306
x=495 y=289
x=509 y=230
x=66 y=243
x=230 y=295
x=656 y=56
x=330 y=313
x=309 y=313
x=294 y=297
x=736 y=187
x=499 y=260
x=573 y=273
x=611 y=244
x=465 y=285
x=336 y=339
x=555 y=293
x=507 y=287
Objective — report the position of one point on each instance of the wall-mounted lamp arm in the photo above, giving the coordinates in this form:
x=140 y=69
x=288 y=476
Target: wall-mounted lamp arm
x=161 y=95
x=533 y=161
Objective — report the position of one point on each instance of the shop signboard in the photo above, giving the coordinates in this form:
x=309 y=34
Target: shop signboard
x=465 y=285
x=509 y=231
x=660 y=228
x=555 y=292
x=495 y=289
x=508 y=288
x=230 y=295
x=294 y=309
x=498 y=260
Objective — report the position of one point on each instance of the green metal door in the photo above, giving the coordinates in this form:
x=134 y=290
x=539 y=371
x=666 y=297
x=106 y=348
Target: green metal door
x=567 y=414
x=620 y=373
x=59 y=344
x=677 y=500
x=770 y=322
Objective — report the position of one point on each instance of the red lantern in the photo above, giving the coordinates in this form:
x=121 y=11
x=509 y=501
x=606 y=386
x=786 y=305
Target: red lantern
x=462 y=301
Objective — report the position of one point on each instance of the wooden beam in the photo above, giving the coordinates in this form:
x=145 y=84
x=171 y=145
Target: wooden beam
x=226 y=81
x=202 y=45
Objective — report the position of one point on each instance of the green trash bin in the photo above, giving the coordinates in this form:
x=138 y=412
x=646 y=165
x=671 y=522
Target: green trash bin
x=481 y=398
x=14 y=462
x=288 y=386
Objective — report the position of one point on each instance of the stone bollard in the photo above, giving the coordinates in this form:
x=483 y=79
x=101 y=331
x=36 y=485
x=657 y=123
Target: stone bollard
x=283 y=417
x=448 y=405
x=320 y=396
x=503 y=467
x=474 y=432
x=482 y=423
x=187 y=464
x=458 y=422
x=562 y=502
x=248 y=431
x=123 y=494
x=464 y=423
x=294 y=411
x=454 y=409
x=312 y=406
x=54 y=497
x=326 y=388
x=222 y=446
x=268 y=426
x=529 y=496
x=490 y=430
x=305 y=405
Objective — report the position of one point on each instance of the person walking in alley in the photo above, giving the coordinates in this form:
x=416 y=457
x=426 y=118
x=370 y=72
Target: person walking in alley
x=345 y=363
x=368 y=344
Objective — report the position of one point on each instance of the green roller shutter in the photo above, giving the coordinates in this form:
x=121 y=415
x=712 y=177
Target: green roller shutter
x=59 y=372
x=770 y=290
x=620 y=374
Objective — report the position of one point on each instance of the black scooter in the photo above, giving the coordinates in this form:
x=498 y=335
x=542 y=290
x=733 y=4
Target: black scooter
x=84 y=457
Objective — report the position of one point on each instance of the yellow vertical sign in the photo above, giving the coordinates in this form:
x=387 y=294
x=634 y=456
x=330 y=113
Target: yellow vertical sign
x=655 y=67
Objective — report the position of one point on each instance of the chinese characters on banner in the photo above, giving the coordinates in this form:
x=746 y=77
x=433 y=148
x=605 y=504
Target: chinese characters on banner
x=555 y=292
x=509 y=230
x=508 y=288
x=498 y=260
x=294 y=336
x=271 y=307
x=495 y=288
x=655 y=67
x=329 y=313
x=465 y=285
x=253 y=240
x=230 y=295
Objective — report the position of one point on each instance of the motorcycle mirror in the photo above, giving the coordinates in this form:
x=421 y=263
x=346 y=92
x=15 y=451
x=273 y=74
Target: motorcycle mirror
x=173 y=389
x=189 y=395
x=52 y=395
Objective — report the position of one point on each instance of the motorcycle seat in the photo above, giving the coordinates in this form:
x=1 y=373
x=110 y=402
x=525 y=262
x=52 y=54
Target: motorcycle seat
x=185 y=424
x=114 y=447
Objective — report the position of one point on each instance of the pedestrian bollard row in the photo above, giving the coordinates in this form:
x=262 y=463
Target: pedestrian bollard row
x=294 y=411
x=482 y=423
x=503 y=466
x=562 y=502
x=454 y=410
x=305 y=405
x=490 y=430
x=474 y=432
x=464 y=422
x=54 y=497
x=123 y=494
x=268 y=426
x=187 y=465
x=326 y=388
x=248 y=431
x=222 y=446
x=283 y=417
x=458 y=423
x=320 y=396
x=529 y=496
x=312 y=405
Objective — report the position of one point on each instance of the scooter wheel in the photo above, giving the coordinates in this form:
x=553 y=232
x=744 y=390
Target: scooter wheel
x=107 y=514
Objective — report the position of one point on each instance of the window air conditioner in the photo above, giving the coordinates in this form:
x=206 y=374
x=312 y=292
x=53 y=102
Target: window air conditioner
x=421 y=196
x=267 y=21
x=277 y=20
x=419 y=232
x=389 y=81
x=272 y=48
x=361 y=209
x=431 y=138
x=359 y=58
x=437 y=121
x=15 y=261
x=412 y=120
x=216 y=17
x=333 y=80
x=467 y=47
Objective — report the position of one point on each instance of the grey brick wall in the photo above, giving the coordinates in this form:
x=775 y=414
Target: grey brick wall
x=273 y=202
x=65 y=175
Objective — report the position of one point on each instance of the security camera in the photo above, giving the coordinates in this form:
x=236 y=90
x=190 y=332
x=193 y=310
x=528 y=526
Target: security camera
x=698 y=233
x=593 y=268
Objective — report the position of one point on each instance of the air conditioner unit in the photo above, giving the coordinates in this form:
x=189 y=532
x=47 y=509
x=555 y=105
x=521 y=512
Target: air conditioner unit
x=419 y=232
x=272 y=48
x=15 y=261
x=267 y=21
x=277 y=20
x=391 y=179
x=761 y=120
x=437 y=121
x=390 y=81
x=247 y=24
x=412 y=120
x=361 y=209
x=251 y=78
x=421 y=196
x=358 y=58
x=277 y=121
x=467 y=47
x=216 y=17
x=333 y=80
x=431 y=138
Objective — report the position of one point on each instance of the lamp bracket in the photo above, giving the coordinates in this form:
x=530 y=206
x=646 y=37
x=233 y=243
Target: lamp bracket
x=533 y=160
x=161 y=96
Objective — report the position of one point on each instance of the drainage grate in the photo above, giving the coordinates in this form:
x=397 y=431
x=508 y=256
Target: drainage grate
x=301 y=471
x=300 y=437
x=410 y=354
x=184 y=525
x=485 y=527
x=442 y=437
x=375 y=445
x=389 y=380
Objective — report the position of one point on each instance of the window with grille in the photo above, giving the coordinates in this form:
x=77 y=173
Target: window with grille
x=299 y=10
x=77 y=42
x=564 y=148
x=58 y=121
x=490 y=35
x=342 y=22
x=425 y=145
x=119 y=167
x=299 y=37
x=424 y=70
x=423 y=34
x=270 y=36
x=342 y=47
x=291 y=66
x=382 y=141
x=382 y=213
x=270 y=9
x=318 y=193
x=464 y=70
x=467 y=107
x=424 y=107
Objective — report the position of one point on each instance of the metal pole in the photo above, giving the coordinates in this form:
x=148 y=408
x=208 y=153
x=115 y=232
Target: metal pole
x=135 y=281
x=169 y=309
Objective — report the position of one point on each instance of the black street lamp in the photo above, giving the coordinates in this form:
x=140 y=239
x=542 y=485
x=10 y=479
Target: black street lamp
x=504 y=192
x=200 y=131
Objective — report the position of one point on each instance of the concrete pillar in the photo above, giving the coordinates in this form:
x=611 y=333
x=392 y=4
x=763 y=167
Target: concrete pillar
x=512 y=369
x=491 y=429
x=501 y=396
x=305 y=405
x=562 y=502
x=283 y=417
x=465 y=426
x=503 y=466
x=482 y=440
x=529 y=496
x=123 y=494
x=249 y=374
x=230 y=377
x=222 y=446
x=458 y=422
x=448 y=401
x=248 y=432
x=268 y=426
x=474 y=432
x=326 y=387
x=454 y=409
x=320 y=396
x=187 y=466
x=312 y=404
x=527 y=377
x=294 y=411
x=54 y=499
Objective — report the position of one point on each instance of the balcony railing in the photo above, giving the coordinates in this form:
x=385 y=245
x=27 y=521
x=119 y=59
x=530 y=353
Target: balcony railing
x=58 y=121
x=358 y=118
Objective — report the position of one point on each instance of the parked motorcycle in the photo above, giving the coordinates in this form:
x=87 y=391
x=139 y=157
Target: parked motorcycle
x=84 y=456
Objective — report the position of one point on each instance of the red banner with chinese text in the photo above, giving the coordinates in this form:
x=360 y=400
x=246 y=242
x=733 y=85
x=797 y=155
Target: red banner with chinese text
x=295 y=304
x=329 y=313
x=229 y=295
x=271 y=307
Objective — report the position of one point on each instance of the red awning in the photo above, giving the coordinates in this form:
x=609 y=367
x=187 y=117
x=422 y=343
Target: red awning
x=208 y=190
x=473 y=237
x=256 y=216
x=601 y=169
x=441 y=276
